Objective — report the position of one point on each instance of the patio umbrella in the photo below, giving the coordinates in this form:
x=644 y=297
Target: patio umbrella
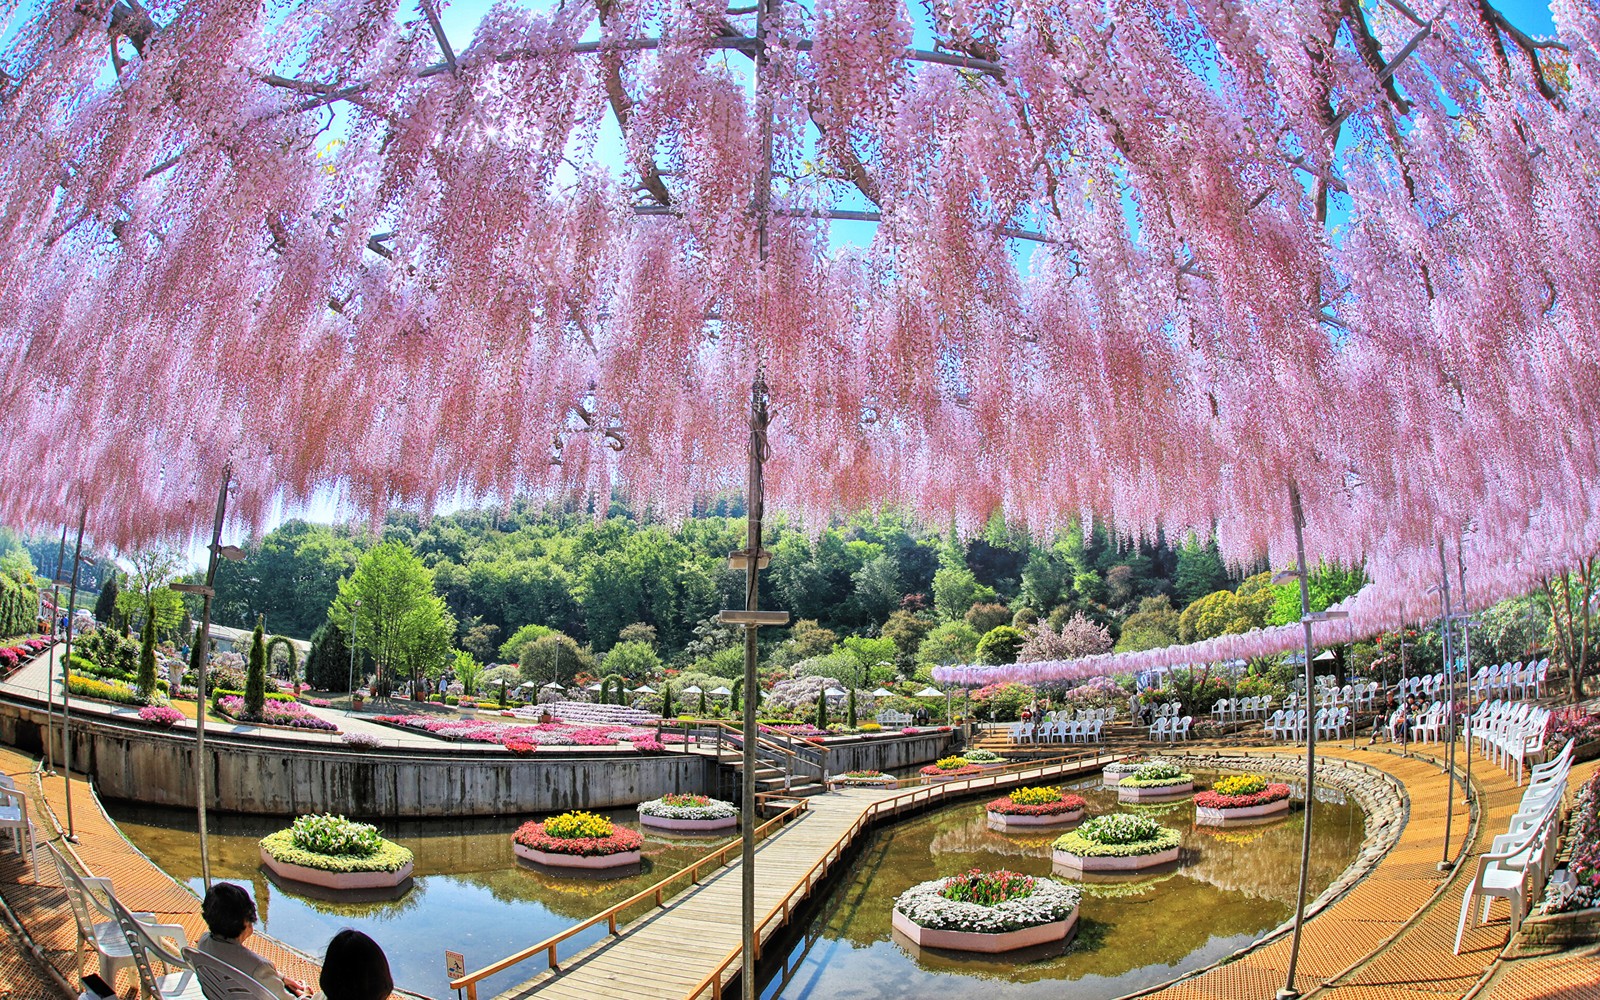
x=881 y=693
x=553 y=686
x=834 y=693
x=723 y=691
x=593 y=687
x=691 y=689
x=644 y=689
x=930 y=692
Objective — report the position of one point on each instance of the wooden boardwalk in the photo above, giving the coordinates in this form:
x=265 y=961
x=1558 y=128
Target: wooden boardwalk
x=666 y=954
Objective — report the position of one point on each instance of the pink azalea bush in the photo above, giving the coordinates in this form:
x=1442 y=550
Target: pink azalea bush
x=276 y=713
x=160 y=715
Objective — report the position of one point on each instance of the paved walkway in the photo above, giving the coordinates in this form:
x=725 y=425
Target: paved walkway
x=41 y=905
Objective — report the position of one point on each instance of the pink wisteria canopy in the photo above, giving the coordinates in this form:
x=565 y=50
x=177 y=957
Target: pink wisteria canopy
x=1143 y=262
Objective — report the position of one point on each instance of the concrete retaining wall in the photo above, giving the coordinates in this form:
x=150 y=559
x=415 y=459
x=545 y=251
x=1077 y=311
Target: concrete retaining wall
x=259 y=775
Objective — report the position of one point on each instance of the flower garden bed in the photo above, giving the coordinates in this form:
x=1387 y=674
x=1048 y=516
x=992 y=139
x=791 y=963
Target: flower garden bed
x=528 y=736
x=1117 y=770
x=864 y=779
x=1156 y=780
x=1035 y=807
x=986 y=912
x=1241 y=798
x=688 y=814
x=950 y=768
x=580 y=841
x=335 y=853
x=985 y=759
x=276 y=713
x=1113 y=844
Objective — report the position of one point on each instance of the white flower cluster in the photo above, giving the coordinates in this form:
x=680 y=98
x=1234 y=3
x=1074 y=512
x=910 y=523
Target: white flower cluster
x=1050 y=901
x=713 y=809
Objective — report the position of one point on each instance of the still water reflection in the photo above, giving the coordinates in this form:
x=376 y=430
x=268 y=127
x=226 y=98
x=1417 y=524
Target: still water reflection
x=470 y=894
x=1133 y=932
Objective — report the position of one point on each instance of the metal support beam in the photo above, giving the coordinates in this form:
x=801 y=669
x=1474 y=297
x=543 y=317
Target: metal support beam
x=1288 y=992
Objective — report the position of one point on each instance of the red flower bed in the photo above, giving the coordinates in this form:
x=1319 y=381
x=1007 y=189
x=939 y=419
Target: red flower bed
x=933 y=771
x=1065 y=804
x=531 y=834
x=1211 y=800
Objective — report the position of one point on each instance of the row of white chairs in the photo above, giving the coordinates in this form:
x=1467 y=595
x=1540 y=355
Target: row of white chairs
x=1519 y=861
x=1162 y=710
x=1060 y=731
x=1513 y=679
x=137 y=941
x=1289 y=725
x=890 y=719
x=1420 y=686
x=1509 y=732
x=1169 y=730
x=1106 y=714
x=1426 y=724
x=1237 y=709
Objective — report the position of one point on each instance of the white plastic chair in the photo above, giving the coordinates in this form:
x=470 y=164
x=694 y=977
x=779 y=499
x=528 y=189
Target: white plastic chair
x=1158 y=731
x=14 y=819
x=102 y=933
x=1181 y=730
x=144 y=943
x=221 y=981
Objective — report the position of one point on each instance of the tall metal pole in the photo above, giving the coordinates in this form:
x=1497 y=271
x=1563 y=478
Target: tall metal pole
x=1466 y=668
x=66 y=679
x=1288 y=992
x=1450 y=682
x=355 y=613
x=49 y=678
x=202 y=765
x=1405 y=725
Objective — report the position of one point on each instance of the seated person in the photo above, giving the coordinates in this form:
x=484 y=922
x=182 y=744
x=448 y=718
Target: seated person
x=230 y=915
x=355 y=968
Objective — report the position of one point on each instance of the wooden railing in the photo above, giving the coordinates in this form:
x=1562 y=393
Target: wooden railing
x=773 y=747
x=922 y=791
x=656 y=893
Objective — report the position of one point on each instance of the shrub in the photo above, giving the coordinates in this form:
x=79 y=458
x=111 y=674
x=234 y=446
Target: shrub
x=334 y=836
x=1158 y=771
x=388 y=857
x=1122 y=828
x=1240 y=784
x=160 y=715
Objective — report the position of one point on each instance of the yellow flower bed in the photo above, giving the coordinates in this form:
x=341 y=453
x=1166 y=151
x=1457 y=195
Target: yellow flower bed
x=1035 y=796
x=1240 y=784
x=572 y=825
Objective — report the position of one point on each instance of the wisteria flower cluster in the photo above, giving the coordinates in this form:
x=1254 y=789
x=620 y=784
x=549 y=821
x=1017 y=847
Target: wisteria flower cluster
x=1215 y=799
x=688 y=807
x=1044 y=901
x=587 y=839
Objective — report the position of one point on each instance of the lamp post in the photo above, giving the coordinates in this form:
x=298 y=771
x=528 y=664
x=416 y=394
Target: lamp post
x=49 y=685
x=207 y=591
x=355 y=613
x=66 y=679
x=1450 y=714
x=1307 y=617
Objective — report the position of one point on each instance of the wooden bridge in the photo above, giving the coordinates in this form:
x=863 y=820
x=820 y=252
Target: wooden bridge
x=689 y=945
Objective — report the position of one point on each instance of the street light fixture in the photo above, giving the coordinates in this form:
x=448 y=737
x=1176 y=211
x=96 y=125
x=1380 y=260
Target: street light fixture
x=355 y=614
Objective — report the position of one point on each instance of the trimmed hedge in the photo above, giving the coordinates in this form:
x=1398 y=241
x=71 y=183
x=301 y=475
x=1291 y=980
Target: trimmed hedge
x=389 y=857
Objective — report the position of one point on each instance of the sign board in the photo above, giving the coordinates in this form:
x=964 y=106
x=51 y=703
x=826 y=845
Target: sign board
x=455 y=964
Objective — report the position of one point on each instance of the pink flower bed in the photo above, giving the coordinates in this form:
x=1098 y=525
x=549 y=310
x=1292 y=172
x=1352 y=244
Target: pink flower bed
x=1212 y=800
x=910 y=731
x=533 y=735
x=317 y=702
x=276 y=713
x=803 y=729
x=1065 y=804
x=933 y=771
x=532 y=835
x=160 y=715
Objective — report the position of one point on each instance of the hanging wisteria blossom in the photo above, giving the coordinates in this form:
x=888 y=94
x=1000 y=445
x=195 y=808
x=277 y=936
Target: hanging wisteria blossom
x=1156 y=265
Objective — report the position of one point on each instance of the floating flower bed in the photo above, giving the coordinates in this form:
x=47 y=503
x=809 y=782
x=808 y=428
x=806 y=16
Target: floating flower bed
x=1119 y=843
x=984 y=758
x=580 y=840
x=335 y=853
x=1035 y=807
x=1117 y=770
x=987 y=912
x=950 y=768
x=274 y=713
x=688 y=813
x=1159 y=779
x=1241 y=797
x=867 y=779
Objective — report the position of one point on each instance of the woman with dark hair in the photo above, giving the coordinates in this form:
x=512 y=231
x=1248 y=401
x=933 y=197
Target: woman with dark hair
x=230 y=916
x=355 y=968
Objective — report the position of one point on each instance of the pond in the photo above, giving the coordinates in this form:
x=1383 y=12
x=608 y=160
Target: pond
x=1134 y=932
x=470 y=894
